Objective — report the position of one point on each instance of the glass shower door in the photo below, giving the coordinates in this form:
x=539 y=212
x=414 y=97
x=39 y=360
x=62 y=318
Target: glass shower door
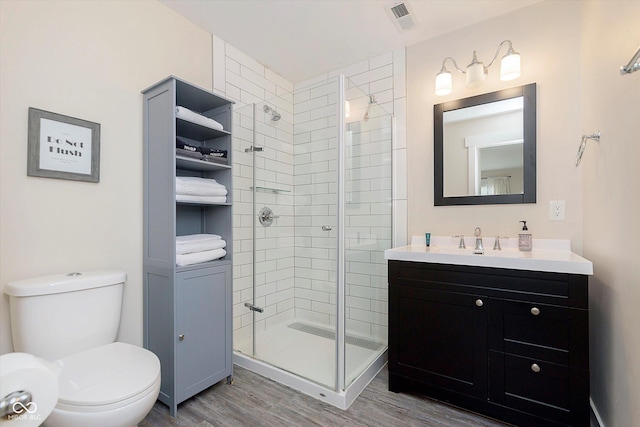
x=295 y=254
x=316 y=231
x=273 y=222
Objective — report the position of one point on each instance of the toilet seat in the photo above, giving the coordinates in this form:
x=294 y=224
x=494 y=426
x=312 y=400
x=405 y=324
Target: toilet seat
x=107 y=377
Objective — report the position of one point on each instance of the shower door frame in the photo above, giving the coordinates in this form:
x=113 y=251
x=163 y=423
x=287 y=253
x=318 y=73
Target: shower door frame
x=341 y=354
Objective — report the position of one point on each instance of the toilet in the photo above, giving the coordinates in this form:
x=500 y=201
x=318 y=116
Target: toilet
x=72 y=320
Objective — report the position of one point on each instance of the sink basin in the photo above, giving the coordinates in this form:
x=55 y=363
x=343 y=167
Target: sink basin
x=551 y=255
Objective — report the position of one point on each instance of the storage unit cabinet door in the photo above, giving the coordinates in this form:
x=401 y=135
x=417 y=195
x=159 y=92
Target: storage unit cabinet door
x=201 y=341
x=439 y=338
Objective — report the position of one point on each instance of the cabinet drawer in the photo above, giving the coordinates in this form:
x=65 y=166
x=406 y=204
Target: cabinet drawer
x=533 y=323
x=533 y=386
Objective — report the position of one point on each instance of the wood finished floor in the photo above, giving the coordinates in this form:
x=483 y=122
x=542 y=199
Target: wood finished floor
x=254 y=400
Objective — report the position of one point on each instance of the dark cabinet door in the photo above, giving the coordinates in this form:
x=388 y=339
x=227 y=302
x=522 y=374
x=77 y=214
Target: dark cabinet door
x=439 y=338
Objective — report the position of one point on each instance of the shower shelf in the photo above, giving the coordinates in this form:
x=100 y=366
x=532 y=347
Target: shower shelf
x=270 y=190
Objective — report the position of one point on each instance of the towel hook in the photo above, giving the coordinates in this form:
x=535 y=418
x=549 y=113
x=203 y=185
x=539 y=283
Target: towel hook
x=583 y=143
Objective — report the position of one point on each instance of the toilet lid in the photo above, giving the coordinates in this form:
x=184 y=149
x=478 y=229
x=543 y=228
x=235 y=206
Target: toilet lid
x=106 y=374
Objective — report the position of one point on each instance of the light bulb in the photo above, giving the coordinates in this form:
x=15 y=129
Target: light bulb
x=510 y=66
x=475 y=74
x=443 y=83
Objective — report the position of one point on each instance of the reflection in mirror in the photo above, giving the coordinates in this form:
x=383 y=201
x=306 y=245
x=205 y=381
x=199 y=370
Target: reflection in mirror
x=485 y=148
x=478 y=158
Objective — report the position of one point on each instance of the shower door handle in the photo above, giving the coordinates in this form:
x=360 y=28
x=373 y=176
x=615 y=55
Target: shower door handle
x=326 y=228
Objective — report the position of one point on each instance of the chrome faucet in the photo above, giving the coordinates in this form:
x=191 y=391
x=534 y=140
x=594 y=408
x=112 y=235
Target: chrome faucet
x=496 y=243
x=479 y=249
x=461 y=244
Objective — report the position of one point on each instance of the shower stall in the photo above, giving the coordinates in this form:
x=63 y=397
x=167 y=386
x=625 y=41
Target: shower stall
x=312 y=218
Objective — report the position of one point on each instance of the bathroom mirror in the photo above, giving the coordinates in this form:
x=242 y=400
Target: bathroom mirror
x=485 y=148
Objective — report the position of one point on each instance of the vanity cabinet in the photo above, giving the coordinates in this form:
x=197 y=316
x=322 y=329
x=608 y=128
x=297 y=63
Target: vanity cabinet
x=187 y=308
x=510 y=344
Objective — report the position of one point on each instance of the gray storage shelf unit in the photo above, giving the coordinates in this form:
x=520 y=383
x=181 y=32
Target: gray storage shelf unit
x=187 y=309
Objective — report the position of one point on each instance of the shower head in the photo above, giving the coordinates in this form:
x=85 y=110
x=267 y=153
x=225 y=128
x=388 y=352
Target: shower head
x=275 y=116
x=372 y=100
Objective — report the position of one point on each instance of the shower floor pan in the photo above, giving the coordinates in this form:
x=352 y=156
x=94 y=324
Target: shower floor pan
x=303 y=356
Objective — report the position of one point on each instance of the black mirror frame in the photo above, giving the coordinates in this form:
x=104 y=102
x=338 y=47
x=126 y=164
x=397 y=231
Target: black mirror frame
x=528 y=92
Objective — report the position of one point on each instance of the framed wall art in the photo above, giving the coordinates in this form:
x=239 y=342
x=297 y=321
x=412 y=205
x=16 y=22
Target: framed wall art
x=63 y=147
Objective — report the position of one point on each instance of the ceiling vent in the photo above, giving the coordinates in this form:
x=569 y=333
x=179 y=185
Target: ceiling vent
x=401 y=14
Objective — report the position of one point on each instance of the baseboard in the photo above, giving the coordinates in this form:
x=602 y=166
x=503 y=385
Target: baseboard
x=595 y=412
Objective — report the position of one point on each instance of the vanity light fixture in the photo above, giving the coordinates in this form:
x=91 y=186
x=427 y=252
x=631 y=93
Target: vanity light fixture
x=477 y=71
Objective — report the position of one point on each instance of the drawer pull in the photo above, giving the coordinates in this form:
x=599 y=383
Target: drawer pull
x=479 y=302
x=181 y=337
x=535 y=311
x=535 y=368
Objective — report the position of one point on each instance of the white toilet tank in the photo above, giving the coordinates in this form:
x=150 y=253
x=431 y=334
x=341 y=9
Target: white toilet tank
x=55 y=316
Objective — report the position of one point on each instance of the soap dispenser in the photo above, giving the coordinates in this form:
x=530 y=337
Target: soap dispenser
x=524 y=239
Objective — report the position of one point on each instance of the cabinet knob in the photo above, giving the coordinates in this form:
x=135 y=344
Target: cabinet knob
x=181 y=337
x=479 y=302
x=535 y=367
x=535 y=311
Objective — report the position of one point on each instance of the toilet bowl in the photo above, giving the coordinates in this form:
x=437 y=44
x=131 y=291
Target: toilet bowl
x=101 y=383
x=113 y=385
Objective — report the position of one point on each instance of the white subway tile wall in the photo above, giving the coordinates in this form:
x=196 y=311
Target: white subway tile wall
x=295 y=260
x=316 y=172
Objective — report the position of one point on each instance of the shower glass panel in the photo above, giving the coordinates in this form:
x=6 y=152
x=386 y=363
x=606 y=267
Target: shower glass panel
x=290 y=305
x=243 y=217
x=367 y=228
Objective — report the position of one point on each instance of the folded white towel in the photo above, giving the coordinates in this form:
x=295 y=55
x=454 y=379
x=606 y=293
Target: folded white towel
x=208 y=245
x=205 y=182
x=196 y=238
x=212 y=200
x=195 y=186
x=198 y=257
x=188 y=115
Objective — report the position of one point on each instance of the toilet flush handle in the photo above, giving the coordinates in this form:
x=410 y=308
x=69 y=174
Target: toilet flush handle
x=15 y=403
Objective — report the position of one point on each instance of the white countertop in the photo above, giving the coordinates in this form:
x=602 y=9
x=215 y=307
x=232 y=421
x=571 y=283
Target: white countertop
x=552 y=255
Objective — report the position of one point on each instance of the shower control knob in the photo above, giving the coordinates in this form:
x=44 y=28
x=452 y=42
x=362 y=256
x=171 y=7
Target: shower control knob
x=266 y=216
